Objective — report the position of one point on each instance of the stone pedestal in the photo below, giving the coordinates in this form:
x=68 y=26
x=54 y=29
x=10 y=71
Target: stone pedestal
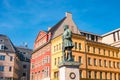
x=69 y=71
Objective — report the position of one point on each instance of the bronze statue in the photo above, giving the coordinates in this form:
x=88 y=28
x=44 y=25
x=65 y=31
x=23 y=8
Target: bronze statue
x=67 y=44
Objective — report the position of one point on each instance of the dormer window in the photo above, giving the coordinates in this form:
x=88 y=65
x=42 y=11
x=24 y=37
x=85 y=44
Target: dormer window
x=1 y=40
x=2 y=46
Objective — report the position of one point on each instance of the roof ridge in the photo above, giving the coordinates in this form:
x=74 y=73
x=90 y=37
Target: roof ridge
x=56 y=25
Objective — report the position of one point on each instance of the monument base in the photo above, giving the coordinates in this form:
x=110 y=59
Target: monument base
x=69 y=71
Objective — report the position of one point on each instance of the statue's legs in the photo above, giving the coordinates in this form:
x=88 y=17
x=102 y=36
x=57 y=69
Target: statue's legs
x=70 y=58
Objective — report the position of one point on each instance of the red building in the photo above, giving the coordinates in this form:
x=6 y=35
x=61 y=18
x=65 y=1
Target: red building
x=40 y=61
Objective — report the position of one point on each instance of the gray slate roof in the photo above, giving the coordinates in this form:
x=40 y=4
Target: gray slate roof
x=9 y=47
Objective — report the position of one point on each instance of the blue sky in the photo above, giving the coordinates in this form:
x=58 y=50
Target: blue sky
x=21 y=20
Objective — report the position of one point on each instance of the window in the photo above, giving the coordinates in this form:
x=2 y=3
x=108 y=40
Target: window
x=24 y=66
x=117 y=64
x=55 y=74
x=2 y=46
x=92 y=37
x=115 y=76
x=32 y=77
x=2 y=57
x=55 y=62
x=32 y=65
x=10 y=68
x=114 y=36
x=116 y=54
x=100 y=62
x=114 y=64
x=58 y=60
x=118 y=35
x=105 y=63
x=11 y=58
x=119 y=76
x=1 y=68
x=95 y=63
x=87 y=36
x=104 y=51
x=105 y=75
x=88 y=48
x=108 y=52
x=95 y=75
x=1 y=40
x=24 y=74
x=113 y=53
x=110 y=76
x=96 y=38
x=89 y=74
x=79 y=46
x=47 y=59
x=47 y=71
x=93 y=49
x=99 y=50
x=79 y=59
x=24 y=52
x=110 y=64
x=100 y=75
x=89 y=61
x=75 y=45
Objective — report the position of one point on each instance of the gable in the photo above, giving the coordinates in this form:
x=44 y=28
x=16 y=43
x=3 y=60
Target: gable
x=58 y=29
x=41 y=39
x=40 y=35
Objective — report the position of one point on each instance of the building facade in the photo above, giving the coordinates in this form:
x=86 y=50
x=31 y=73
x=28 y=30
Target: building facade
x=24 y=55
x=10 y=63
x=98 y=59
x=40 y=60
x=112 y=38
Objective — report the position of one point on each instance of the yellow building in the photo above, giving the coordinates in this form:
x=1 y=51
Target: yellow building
x=98 y=61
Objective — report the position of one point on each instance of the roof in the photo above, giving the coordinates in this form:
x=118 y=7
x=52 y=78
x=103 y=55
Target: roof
x=8 y=45
x=21 y=51
x=39 y=33
x=111 y=32
x=90 y=33
x=24 y=48
x=56 y=25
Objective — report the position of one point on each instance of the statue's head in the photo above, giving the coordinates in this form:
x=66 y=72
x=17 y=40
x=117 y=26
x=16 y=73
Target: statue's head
x=65 y=27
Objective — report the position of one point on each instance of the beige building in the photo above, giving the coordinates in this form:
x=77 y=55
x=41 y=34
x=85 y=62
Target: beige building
x=12 y=61
x=8 y=60
x=112 y=38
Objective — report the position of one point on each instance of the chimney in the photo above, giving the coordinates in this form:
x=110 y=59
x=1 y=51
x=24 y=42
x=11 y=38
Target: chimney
x=68 y=14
